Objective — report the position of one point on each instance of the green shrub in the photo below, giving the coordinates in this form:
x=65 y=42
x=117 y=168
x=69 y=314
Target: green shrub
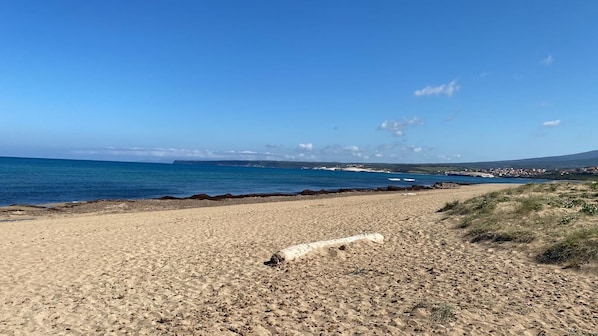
x=530 y=204
x=515 y=236
x=439 y=312
x=577 y=248
x=449 y=206
x=465 y=222
x=442 y=313
x=485 y=205
x=589 y=209
x=487 y=234
x=566 y=220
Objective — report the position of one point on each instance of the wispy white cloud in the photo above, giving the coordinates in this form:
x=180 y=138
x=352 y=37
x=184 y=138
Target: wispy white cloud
x=449 y=157
x=444 y=89
x=403 y=153
x=308 y=152
x=398 y=127
x=304 y=156
x=387 y=147
x=551 y=123
x=168 y=154
x=157 y=152
x=338 y=151
x=453 y=116
x=547 y=61
x=243 y=152
x=352 y=148
x=306 y=147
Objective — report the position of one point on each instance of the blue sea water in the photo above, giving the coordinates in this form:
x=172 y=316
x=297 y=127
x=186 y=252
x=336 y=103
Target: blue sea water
x=44 y=181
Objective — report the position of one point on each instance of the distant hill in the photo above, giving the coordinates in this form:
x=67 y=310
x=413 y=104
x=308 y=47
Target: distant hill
x=579 y=160
x=586 y=159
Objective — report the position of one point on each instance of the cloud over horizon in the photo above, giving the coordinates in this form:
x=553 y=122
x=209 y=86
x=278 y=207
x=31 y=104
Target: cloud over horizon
x=444 y=89
x=169 y=154
x=387 y=153
x=449 y=157
x=306 y=147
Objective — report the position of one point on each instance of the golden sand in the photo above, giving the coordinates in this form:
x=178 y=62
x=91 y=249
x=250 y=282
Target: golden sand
x=200 y=271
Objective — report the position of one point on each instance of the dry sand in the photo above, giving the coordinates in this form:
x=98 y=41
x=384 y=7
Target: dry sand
x=200 y=271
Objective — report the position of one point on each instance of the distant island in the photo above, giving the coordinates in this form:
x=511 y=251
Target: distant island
x=581 y=166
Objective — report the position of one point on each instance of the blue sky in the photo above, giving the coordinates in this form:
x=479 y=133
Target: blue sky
x=350 y=81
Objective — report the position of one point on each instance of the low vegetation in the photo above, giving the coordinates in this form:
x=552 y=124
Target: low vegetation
x=559 y=221
x=439 y=312
x=358 y=270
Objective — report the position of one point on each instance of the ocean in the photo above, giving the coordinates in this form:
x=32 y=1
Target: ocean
x=46 y=181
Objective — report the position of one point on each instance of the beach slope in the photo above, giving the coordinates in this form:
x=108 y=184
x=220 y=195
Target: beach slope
x=201 y=271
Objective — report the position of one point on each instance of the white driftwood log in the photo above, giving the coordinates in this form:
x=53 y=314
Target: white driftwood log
x=296 y=251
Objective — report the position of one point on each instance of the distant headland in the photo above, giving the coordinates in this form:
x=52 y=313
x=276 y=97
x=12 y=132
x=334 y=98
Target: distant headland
x=582 y=166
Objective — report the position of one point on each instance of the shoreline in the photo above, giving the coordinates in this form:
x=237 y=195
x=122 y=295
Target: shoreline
x=309 y=192
x=197 y=200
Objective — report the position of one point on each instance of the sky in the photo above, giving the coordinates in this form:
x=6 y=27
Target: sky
x=347 y=81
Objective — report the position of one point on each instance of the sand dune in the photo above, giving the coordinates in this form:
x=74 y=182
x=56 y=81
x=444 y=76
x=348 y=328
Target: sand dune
x=201 y=271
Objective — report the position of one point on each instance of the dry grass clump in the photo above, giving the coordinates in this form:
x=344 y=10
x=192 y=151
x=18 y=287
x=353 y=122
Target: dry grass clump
x=438 y=312
x=577 y=248
x=560 y=218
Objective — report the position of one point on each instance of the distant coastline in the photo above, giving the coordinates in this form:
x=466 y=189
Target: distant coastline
x=581 y=166
x=468 y=173
x=354 y=168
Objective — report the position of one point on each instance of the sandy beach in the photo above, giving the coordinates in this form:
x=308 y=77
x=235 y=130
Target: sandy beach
x=135 y=268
